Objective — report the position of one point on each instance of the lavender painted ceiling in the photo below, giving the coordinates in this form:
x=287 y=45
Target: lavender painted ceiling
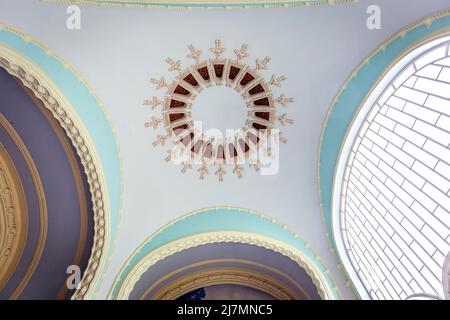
x=239 y=254
x=118 y=50
x=64 y=221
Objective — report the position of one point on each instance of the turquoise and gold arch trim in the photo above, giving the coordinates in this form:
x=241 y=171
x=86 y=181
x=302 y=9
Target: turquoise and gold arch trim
x=353 y=95
x=82 y=114
x=222 y=224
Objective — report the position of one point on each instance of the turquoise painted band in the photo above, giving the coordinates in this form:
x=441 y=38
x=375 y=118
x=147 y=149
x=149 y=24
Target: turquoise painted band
x=222 y=219
x=87 y=108
x=351 y=98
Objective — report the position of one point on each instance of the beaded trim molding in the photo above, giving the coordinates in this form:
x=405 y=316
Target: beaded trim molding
x=98 y=192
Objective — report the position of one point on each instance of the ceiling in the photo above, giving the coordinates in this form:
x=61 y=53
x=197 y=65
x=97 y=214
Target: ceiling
x=58 y=230
x=225 y=256
x=118 y=51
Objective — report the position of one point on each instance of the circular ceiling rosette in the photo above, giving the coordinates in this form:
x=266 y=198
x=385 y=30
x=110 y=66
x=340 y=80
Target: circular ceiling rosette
x=253 y=143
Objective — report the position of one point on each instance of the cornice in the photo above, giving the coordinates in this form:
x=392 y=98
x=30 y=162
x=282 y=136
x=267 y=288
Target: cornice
x=77 y=176
x=247 y=264
x=95 y=135
x=127 y=283
x=31 y=77
x=79 y=185
x=231 y=218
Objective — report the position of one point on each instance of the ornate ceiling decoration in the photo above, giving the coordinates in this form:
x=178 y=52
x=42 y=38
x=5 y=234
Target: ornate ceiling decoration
x=212 y=226
x=204 y=4
x=34 y=197
x=89 y=131
x=13 y=217
x=229 y=275
x=16 y=66
x=233 y=263
x=128 y=283
x=250 y=144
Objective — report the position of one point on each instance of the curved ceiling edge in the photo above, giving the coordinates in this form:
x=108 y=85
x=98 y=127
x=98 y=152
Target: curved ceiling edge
x=203 y=4
x=223 y=224
x=347 y=103
x=43 y=214
x=74 y=104
x=13 y=217
x=170 y=278
x=226 y=275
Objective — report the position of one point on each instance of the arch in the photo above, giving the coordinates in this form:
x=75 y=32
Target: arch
x=250 y=257
x=290 y=284
x=219 y=276
x=13 y=217
x=361 y=89
x=223 y=224
x=74 y=104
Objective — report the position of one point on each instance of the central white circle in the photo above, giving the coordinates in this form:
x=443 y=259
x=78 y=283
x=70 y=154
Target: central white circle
x=219 y=107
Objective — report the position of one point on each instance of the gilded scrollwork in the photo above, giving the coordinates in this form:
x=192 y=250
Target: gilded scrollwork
x=217 y=276
x=13 y=217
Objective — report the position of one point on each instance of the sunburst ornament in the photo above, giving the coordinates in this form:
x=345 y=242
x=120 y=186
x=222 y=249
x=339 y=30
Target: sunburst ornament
x=251 y=144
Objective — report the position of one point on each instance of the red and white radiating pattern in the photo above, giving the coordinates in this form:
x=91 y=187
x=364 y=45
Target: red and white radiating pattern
x=248 y=143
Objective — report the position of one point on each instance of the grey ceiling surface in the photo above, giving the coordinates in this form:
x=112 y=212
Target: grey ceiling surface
x=118 y=50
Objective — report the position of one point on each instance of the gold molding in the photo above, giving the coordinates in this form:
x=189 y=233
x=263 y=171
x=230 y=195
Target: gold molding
x=13 y=217
x=42 y=205
x=226 y=275
x=81 y=192
x=317 y=257
x=77 y=175
x=216 y=261
x=101 y=178
x=173 y=247
x=32 y=77
x=98 y=183
x=78 y=179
